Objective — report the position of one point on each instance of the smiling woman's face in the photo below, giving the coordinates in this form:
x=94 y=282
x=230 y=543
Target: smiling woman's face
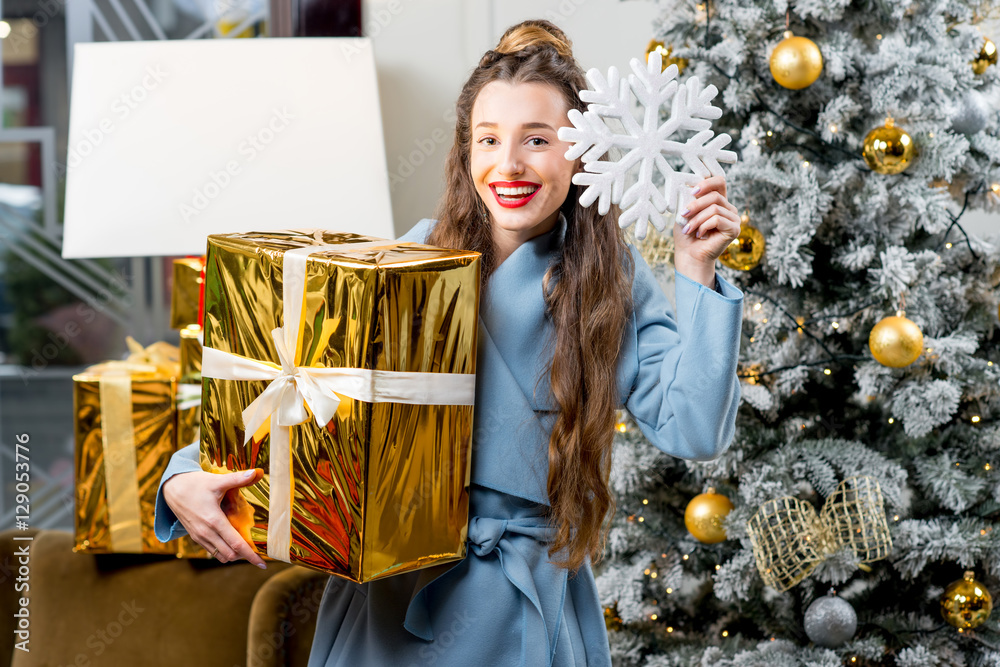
x=516 y=159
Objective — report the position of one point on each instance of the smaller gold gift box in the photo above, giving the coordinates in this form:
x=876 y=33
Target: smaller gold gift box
x=125 y=430
x=185 y=295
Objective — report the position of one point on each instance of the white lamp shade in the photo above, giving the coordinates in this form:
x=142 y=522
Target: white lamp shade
x=170 y=141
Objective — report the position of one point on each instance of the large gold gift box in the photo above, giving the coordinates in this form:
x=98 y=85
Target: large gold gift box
x=344 y=367
x=185 y=294
x=189 y=386
x=125 y=430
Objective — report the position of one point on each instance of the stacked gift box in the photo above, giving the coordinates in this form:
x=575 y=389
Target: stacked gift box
x=186 y=314
x=130 y=417
x=125 y=431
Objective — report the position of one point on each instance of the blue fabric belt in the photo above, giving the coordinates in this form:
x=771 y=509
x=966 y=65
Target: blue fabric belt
x=488 y=536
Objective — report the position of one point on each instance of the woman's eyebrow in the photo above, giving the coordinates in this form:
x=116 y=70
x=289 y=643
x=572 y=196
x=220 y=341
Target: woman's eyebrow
x=525 y=126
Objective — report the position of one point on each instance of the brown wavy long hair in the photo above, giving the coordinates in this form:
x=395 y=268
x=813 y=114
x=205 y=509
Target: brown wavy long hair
x=588 y=295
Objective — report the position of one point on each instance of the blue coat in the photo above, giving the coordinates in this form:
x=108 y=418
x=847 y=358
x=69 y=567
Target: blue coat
x=505 y=604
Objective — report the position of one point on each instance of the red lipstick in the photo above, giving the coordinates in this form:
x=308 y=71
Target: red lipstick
x=513 y=203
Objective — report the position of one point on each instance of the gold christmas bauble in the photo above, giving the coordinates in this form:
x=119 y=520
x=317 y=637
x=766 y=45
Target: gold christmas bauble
x=888 y=149
x=987 y=56
x=966 y=603
x=796 y=62
x=896 y=341
x=666 y=60
x=704 y=514
x=746 y=250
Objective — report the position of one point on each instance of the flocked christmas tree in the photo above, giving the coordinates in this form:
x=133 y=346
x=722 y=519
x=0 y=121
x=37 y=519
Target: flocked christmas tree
x=860 y=149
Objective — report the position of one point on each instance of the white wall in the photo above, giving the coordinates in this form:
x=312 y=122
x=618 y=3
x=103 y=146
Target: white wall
x=425 y=50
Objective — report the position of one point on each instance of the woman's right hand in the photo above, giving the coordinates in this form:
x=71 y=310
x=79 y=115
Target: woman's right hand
x=196 y=498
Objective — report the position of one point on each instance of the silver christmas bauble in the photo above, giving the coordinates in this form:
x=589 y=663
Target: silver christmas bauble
x=972 y=113
x=830 y=621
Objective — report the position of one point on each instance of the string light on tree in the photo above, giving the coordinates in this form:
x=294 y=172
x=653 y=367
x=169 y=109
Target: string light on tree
x=888 y=149
x=611 y=619
x=746 y=250
x=896 y=341
x=751 y=374
x=704 y=515
x=796 y=62
x=621 y=421
x=665 y=54
x=966 y=603
x=986 y=58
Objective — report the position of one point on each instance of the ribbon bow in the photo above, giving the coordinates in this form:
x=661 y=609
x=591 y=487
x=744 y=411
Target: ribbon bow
x=160 y=358
x=790 y=539
x=292 y=388
x=165 y=356
x=495 y=538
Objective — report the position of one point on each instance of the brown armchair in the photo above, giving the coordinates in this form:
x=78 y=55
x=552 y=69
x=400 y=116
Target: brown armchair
x=125 y=610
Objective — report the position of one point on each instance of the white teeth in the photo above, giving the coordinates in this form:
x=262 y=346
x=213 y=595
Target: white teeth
x=521 y=190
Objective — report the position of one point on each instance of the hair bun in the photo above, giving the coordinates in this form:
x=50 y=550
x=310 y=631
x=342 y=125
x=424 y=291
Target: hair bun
x=535 y=33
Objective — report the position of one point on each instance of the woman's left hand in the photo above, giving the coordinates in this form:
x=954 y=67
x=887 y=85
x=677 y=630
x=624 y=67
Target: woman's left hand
x=712 y=224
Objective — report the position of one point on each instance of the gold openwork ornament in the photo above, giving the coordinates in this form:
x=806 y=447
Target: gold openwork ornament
x=790 y=539
x=657 y=248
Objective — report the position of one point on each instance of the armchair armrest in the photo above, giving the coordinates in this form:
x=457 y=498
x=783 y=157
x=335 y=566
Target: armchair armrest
x=283 y=618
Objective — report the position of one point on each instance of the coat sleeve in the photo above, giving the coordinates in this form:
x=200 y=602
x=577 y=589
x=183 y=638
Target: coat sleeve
x=686 y=391
x=165 y=523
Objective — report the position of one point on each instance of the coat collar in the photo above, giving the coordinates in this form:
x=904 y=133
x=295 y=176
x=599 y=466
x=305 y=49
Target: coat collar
x=535 y=253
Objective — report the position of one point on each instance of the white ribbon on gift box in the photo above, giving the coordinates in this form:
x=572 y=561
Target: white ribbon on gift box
x=293 y=387
x=189 y=394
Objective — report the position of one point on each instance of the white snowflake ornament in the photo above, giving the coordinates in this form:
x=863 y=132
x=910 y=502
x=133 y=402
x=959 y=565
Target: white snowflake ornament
x=646 y=145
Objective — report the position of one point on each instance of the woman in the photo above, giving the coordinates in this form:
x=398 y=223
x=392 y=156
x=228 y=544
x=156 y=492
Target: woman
x=574 y=325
